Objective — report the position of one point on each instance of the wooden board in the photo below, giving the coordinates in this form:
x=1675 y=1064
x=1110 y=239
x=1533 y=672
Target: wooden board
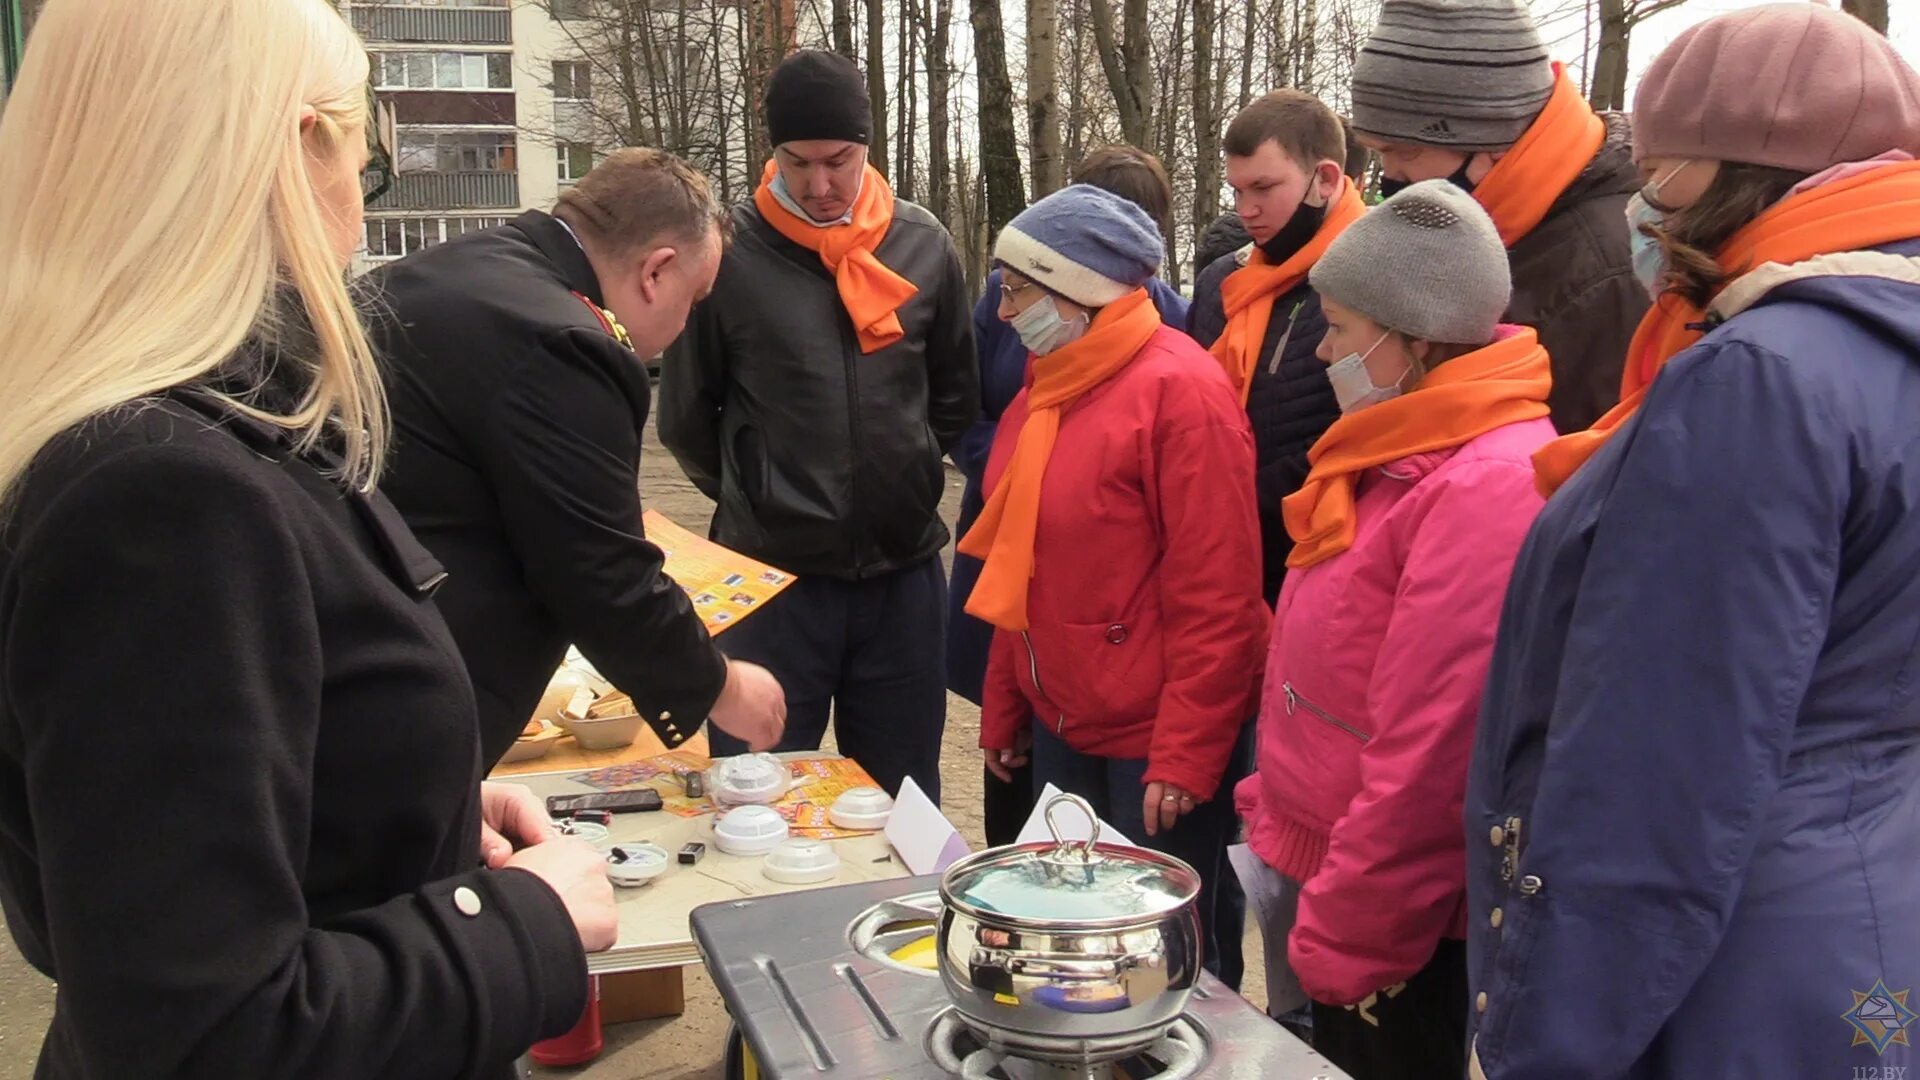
x=567 y=756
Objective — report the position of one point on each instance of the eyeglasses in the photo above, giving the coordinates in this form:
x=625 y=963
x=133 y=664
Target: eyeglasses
x=1009 y=293
x=377 y=178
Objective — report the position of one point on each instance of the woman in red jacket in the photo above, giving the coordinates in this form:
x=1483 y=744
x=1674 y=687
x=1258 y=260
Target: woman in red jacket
x=1121 y=544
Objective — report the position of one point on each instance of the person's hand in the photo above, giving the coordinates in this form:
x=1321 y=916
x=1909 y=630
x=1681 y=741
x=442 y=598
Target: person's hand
x=577 y=873
x=752 y=707
x=1163 y=805
x=1001 y=763
x=511 y=816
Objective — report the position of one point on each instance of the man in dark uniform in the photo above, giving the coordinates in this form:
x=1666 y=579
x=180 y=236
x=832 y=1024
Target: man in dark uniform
x=515 y=363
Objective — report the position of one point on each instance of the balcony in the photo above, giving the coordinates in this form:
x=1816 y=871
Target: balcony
x=451 y=191
x=439 y=26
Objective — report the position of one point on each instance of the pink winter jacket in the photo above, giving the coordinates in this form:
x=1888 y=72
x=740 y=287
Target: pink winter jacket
x=1373 y=683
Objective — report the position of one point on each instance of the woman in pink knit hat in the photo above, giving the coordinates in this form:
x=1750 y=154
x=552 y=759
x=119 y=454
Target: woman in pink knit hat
x=1693 y=813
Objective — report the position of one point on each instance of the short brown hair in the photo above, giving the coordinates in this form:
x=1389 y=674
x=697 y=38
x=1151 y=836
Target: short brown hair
x=1307 y=131
x=1131 y=173
x=640 y=197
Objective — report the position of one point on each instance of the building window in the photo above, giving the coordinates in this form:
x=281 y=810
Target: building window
x=571 y=9
x=443 y=71
x=572 y=80
x=390 y=238
x=456 y=151
x=576 y=160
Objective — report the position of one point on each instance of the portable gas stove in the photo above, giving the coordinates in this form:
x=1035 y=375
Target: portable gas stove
x=824 y=984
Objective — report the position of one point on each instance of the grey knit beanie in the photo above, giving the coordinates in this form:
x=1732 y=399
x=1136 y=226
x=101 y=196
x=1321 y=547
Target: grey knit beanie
x=1464 y=74
x=1427 y=262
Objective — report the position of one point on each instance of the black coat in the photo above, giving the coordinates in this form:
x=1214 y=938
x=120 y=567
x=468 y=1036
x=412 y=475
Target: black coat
x=239 y=775
x=517 y=462
x=823 y=460
x=1573 y=282
x=1290 y=404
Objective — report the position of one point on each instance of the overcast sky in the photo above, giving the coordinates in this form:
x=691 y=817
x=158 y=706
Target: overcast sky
x=1562 y=27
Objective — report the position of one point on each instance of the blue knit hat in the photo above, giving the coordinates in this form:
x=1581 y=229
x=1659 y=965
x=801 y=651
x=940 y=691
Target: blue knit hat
x=1087 y=244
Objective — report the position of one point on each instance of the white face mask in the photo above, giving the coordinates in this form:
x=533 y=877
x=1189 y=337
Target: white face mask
x=1042 y=330
x=1353 y=383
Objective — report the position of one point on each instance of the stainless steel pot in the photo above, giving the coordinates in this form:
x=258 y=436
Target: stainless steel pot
x=1070 y=939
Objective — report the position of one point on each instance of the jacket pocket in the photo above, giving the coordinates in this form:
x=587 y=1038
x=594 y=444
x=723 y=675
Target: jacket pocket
x=1297 y=704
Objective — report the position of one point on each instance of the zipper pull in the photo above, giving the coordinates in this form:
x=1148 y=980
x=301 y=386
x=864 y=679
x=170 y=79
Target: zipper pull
x=1293 y=699
x=1280 y=347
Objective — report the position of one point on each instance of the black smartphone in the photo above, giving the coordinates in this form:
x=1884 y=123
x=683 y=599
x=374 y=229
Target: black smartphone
x=619 y=802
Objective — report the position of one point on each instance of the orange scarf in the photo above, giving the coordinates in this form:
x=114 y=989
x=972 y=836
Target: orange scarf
x=1464 y=398
x=871 y=292
x=1003 y=534
x=1875 y=207
x=1248 y=293
x=1556 y=149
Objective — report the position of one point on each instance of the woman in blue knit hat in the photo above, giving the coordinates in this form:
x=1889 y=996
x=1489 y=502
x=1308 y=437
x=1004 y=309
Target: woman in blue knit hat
x=1121 y=544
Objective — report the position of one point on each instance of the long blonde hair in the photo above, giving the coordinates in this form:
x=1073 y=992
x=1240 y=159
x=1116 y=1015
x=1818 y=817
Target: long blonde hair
x=154 y=202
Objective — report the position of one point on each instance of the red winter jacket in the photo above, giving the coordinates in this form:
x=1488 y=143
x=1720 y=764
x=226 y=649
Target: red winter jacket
x=1147 y=625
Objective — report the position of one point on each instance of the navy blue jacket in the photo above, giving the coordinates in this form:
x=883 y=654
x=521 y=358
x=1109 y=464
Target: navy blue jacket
x=1693 y=813
x=1003 y=371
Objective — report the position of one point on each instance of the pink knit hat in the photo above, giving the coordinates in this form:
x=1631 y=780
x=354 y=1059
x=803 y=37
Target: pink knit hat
x=1795 y=86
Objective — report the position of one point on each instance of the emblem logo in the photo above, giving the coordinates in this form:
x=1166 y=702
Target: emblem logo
x=1880 y=1018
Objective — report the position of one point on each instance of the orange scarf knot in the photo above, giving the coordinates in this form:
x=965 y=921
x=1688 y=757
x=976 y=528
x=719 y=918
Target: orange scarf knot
x=871 y=292
x=1462 y=399
x=1003 y=534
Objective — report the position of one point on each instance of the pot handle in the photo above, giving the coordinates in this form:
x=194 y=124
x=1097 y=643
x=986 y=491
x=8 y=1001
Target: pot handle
x=1062 y=845
x=1048 y=967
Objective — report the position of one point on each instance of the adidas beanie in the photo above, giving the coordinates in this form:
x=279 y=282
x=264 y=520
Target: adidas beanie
x=1469 y=75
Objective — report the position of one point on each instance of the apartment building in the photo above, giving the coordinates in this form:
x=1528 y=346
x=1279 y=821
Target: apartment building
x=475 y=96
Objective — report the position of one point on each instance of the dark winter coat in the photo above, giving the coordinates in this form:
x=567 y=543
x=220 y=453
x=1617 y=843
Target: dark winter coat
x=239 y=775
x=517 y=461
x=1573 y=282
x=823 y=459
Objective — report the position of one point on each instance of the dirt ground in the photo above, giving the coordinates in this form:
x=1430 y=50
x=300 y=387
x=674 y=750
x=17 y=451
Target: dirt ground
x=686 y=1047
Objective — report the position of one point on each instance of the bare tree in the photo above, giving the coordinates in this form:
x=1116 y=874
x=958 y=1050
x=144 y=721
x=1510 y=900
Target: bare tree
x=877 y=83
x=843 y=29
x=1043 y=96
x=1125 y=62
x=1206 y=119
x=1618 y=18
x=999 y=154
x=1871 y=12
x=907 y=98
x=939 y=27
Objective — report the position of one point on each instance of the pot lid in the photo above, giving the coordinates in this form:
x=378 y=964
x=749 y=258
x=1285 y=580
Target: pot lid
x=1070 y=881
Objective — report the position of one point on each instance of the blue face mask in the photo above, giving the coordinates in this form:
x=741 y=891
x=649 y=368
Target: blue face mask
x=1042 y=330
x=1649 y=258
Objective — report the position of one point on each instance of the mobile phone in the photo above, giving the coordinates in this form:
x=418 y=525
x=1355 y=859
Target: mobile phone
x=619 y=802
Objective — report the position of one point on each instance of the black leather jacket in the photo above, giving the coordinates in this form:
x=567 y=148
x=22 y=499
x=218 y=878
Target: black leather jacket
x=823 y=460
